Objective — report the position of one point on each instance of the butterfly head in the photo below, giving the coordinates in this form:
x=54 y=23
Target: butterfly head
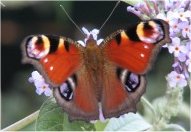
x=91 y=42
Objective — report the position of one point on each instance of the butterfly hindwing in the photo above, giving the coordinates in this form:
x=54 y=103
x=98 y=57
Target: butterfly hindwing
x=83 y=104
x=121 y=91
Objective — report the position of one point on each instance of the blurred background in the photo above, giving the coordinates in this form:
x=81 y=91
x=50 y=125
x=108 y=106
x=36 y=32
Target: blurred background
x=20 y=19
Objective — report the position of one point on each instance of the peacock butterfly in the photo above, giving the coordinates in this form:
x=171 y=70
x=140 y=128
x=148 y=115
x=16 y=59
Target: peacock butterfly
x=110 y=76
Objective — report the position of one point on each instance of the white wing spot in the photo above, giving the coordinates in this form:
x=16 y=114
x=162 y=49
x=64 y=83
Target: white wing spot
x=45 y=60
x=51 y=68
x=142 y=55
x=146 y=47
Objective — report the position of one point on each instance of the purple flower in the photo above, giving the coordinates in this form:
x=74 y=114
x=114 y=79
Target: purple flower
x=176 y=80
x=176 y=47
x=40 y=84
x=182 y=57
x=131 y=9
x=166 y=17
x=186 y=29
x=182 y=15
x=175 y=27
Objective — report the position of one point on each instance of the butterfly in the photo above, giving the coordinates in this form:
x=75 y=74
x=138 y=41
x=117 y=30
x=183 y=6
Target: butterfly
x=109 y=76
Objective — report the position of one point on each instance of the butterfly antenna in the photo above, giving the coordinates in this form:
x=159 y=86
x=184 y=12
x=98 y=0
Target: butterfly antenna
x=72 y=19
x=110 y=14
x=101 y=25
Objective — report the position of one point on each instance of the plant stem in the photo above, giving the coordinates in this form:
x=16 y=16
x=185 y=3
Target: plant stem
x=146 y=102
x=22 y=123
x=184 y=110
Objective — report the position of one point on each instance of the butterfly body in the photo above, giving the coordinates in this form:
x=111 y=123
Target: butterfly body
x=108 y=78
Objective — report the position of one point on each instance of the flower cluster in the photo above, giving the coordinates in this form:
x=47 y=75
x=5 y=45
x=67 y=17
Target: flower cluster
x=178 y=14
x=40 y=84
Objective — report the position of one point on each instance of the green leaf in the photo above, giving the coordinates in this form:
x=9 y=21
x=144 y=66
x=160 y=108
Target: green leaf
x=53 y=118
x=100 y=125
x=128 y=122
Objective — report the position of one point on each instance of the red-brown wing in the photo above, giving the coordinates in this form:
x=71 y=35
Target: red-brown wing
x=136 y=48
x=60 y=62
x=84 y=104
x=122 y=90
x=55 y=57
x=129 y=55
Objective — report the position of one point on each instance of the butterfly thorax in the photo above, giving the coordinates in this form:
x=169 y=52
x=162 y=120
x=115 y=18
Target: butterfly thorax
x=93 y=55
x=91 y=44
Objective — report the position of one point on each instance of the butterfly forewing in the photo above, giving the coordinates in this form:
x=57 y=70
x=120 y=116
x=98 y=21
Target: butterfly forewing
x=55 y=57
x=137 y=47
